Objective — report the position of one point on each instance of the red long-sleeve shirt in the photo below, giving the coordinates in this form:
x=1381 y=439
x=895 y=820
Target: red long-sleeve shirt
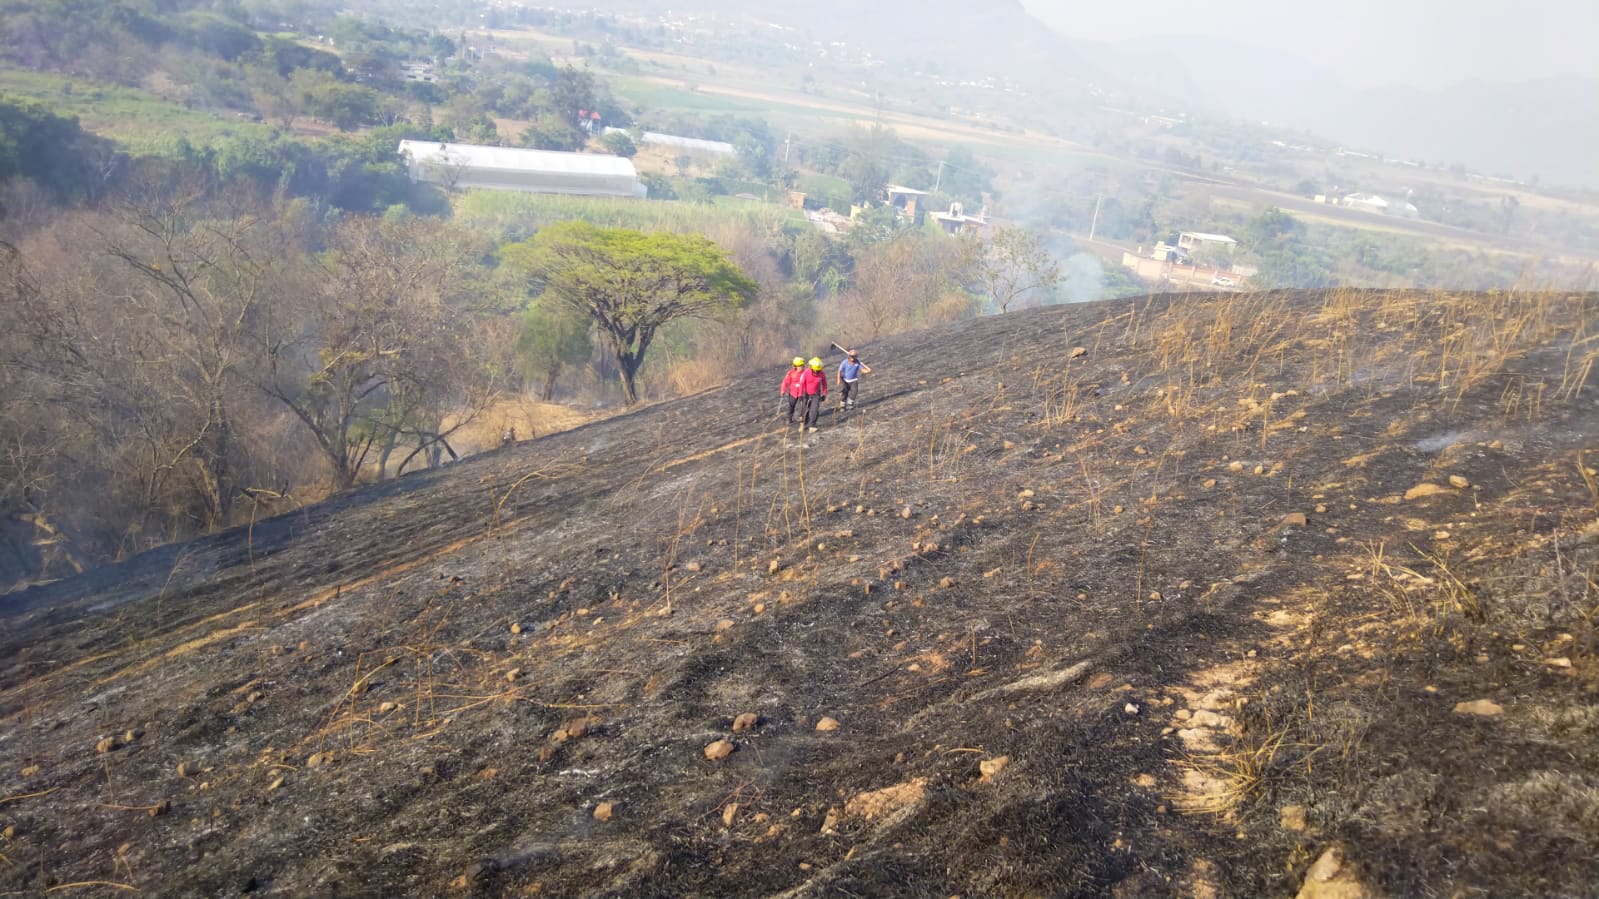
x=813 y=382
x=791 y=382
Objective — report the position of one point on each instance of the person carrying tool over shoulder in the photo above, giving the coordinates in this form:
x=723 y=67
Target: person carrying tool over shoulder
x=849 y=376
x=813 y=383
x=792 y=394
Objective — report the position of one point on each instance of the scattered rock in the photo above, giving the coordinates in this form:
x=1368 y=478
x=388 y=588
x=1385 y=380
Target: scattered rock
x=319 y=759
x=1293 y=520
x=1561 y=662
x=1458 y=482
x=878 y=803
x=132 y=735
x=694 y=567
x=516 y=628
x=1078 y=352
x=513 y=674
x=947 y=583
x=773 y=566
x=1423 y=490
x=1292 y=817
x=30 y=770
x=160 y=808
x=990 y=768
x=603 y=811
x=724 y=624
x=186 y=770
x=746 y=721
x=1100 y=681
x=719 y=750
x=1130 y=708
x=1485 y=708
x=276 y=782
x=1146 y=781
x=386 y=707
x=9 y=834
x=1209 y=483
x=1235 y=467
x=905 y=512
x=108 y=744
x=729 y=813
x=828 y=724
x=1332 y=877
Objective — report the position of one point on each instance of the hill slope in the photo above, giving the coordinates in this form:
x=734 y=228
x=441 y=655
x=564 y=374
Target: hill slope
x=1213 y=587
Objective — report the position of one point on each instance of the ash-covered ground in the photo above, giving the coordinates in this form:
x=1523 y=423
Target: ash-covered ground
x=1169 y=597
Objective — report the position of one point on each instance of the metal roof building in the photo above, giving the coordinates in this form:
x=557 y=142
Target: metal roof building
x=531 y=171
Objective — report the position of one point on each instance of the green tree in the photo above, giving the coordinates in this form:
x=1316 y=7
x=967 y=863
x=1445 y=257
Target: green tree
x=631 y=283
x=620 y=144
x=552 y=335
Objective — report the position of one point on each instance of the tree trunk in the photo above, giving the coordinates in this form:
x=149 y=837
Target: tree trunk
x=550 y=375
x=628 y=369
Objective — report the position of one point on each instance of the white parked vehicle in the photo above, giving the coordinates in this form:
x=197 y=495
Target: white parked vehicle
x=1223 y=282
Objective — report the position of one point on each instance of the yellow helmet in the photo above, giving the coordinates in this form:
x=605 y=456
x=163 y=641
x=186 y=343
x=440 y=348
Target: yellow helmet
x=799 y=361
x=816 y=363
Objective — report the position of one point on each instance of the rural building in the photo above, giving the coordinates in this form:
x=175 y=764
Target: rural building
x=906 y=199
x=1199 y=240
x=956 y=221
x=686 y=144
x=457 y=166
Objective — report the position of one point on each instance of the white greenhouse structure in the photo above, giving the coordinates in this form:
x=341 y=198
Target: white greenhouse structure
x=460 y=166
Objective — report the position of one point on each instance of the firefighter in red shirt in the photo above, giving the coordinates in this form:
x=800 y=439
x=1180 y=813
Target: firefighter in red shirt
x=813 y=384
x=792 y=394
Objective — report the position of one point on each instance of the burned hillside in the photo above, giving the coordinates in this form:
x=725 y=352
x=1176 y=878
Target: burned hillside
x=1177 y=596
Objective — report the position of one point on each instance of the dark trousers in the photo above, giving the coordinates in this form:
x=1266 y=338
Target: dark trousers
x=793 y=404
x=850 y=388
x=813 y=409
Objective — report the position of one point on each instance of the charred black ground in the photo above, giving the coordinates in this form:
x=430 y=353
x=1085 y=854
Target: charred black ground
x=1225 y=581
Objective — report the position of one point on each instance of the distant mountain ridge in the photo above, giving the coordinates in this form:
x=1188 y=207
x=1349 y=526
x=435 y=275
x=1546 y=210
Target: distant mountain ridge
x=1548 y=128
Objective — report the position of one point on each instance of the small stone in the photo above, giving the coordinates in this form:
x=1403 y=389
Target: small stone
x=186 y=770
x=1130 y=708
x=746 y=721
x=1485 y=708
x=516 y=628
x=132 y=735
x=1116 y=510
x=273 y=786
x=1321 y=508
x=827 y=724
x=759 y=607
x=694 y=567
x=1078 y=352
x=1292 y=817
x=576 y=729
x=513 y=674
x=729 y=813
x=1235 y=467
x=160 y=808
x=319 y=759
x=1146 y=781
x=1141 y=450
x=1209 y=483
x=1561 y=662
x=1101 y=680
x=905 y=512
x=1155 y=596
x=1458 y=482
x=724 y=624
x=719 y=750
x=773 y=566
x=30 y=770
x=1332 y=878
x=1260 y=469
x=603 y=811
x=1293 y=520
x=386 y=707
x=990 y=768
x=107 y=745
x=947 y=583
x=9 y=834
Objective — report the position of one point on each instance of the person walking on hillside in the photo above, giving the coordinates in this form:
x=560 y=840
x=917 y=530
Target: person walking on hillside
x=849 y=376
x=813 y=383
x=792 y=394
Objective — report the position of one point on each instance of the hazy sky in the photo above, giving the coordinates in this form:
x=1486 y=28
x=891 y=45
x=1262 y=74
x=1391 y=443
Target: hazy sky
x=1366 y=43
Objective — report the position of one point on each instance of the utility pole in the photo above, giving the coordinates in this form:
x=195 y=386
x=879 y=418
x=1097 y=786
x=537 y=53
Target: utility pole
x=1094 y=225
x=940 y=180
x=786 y=142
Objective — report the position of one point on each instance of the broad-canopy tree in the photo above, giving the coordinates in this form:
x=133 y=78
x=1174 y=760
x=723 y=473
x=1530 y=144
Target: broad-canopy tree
x=631 y=283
